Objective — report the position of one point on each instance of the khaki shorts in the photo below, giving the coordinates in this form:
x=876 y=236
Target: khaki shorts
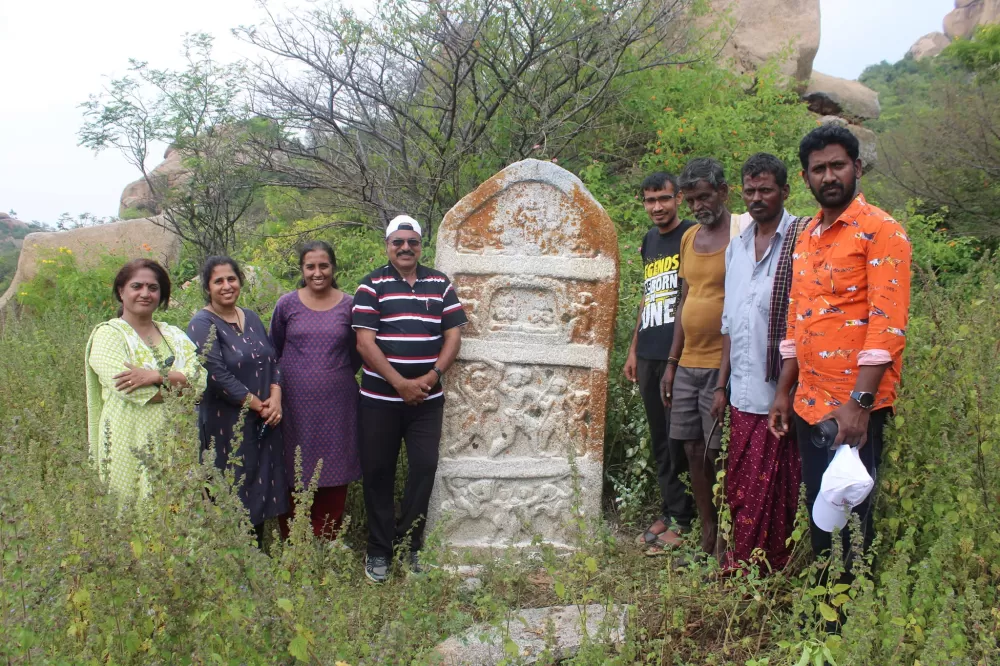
x=691 y=408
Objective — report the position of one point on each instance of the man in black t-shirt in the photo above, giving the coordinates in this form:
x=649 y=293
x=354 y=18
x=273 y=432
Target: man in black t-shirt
x=649 y=355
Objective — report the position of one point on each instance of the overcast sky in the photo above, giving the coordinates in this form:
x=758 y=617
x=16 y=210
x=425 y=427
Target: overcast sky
x=57 y=52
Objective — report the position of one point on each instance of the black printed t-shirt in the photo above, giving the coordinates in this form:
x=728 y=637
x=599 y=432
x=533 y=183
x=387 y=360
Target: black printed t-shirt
x=661 y=287
x=408 y=324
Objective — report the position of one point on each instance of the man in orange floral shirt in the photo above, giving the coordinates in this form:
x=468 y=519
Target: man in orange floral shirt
x=848 y=309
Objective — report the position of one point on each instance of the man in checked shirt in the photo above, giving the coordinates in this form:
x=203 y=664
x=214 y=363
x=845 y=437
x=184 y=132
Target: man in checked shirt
x=847 y=315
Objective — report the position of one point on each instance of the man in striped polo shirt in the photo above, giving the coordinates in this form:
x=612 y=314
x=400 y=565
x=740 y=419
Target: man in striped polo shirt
x=408 y=322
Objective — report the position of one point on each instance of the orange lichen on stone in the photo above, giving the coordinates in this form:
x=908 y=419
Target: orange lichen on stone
x=534 y=260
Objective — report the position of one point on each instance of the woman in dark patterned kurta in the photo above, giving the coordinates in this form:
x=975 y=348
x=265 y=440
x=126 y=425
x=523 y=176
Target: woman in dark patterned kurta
x=311 y=331
x=242 y=370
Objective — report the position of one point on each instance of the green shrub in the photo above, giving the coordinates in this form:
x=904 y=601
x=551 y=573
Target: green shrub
x=134 y=214
x=180 y=581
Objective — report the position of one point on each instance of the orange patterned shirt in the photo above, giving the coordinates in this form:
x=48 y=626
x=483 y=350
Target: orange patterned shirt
x=848 y=306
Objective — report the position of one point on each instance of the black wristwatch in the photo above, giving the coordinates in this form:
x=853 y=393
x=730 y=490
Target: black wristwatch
x=865 y=399
x=440 y=373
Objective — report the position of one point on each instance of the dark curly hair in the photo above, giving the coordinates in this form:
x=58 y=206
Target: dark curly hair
x=826 y=135
x=658 y=180
x=761 y=163
x=210 y=265
x=313 y=246
x=133 y=267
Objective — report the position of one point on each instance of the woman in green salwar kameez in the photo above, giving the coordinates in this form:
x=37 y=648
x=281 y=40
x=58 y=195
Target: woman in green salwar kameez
x=128 y=361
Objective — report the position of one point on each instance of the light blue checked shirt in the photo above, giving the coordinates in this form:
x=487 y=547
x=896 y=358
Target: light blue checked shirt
x=745 y=315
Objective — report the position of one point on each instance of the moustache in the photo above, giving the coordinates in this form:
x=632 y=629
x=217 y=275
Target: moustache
x=404 y=253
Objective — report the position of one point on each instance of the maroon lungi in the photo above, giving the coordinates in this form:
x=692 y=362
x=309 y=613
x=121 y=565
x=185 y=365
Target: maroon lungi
x=763 y=474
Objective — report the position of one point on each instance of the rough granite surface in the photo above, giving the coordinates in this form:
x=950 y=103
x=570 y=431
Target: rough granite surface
x=534 y=259
x=483 y=645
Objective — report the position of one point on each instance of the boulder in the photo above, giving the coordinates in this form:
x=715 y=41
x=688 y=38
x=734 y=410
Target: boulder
x=866 y=137
x=138 y=196
x=929 y=46
x=962 y=21
x=832 y=96
x=483 y=645
x=9 y=228
x=757 y=30
x=129 y=238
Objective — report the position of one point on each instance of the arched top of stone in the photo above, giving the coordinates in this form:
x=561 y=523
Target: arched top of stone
x=532 y=209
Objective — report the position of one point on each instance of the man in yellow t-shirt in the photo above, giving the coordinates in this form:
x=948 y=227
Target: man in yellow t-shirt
x=691 y=379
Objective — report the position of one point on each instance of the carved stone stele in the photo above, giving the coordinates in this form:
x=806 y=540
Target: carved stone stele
x=534 y=259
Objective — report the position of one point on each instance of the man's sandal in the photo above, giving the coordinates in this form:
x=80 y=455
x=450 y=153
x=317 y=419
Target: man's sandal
x=666 y=541
x=649 y=537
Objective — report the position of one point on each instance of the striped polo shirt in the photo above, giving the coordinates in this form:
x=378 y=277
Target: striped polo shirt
x=408 y=324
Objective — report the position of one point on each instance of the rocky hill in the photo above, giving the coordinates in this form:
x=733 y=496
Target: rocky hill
x=960 y=23
x=13 y=231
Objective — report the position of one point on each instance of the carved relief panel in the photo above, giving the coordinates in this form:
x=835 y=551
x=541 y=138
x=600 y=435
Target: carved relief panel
x=533 y=258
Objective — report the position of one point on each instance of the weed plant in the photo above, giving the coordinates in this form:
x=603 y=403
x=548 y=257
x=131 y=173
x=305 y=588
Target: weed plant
x=178 y=578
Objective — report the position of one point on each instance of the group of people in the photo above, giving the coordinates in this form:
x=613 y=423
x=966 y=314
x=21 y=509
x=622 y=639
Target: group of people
x=788 y=322
x=291 y=388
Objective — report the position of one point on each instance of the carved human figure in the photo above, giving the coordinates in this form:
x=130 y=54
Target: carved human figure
x=470 y=402
x=553 y=413
x=584 y=310
x=471 y=498
x=467 y=296
x=578 y=411
x=521 y=415
x=552 y=501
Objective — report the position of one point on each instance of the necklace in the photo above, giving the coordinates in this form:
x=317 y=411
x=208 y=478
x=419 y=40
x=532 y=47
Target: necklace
x=238 y=324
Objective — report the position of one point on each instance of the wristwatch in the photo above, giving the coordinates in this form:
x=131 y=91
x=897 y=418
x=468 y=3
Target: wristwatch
x=439 y=371
x=865 y=399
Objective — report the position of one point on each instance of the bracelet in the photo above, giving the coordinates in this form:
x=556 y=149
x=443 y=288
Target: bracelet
x=673 y=361
x=719 y=388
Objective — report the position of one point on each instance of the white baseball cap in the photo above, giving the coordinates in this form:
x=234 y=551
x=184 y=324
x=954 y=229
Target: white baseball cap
x=846 y=484
x=402 y=222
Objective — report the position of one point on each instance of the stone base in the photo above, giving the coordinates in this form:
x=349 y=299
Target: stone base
x=483 y=645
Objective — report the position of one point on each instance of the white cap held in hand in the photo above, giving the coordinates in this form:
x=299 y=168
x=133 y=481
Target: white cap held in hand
x=846 y=484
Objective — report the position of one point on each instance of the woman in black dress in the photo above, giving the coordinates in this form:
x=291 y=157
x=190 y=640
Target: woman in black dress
x=242 y=370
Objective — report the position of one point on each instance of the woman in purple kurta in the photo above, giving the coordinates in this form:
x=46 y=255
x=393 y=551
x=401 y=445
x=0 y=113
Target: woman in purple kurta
x=312 y=336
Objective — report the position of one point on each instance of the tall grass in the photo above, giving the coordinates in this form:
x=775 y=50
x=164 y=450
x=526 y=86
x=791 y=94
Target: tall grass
x=179 y=579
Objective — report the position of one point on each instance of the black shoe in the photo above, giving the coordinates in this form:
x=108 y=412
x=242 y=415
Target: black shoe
x=411 y=560
x=377 y=568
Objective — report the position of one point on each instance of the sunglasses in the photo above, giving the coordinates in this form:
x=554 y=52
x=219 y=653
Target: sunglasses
x=412 y=242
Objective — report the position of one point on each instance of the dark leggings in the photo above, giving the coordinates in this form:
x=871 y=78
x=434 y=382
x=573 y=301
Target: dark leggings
x=327 y=512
